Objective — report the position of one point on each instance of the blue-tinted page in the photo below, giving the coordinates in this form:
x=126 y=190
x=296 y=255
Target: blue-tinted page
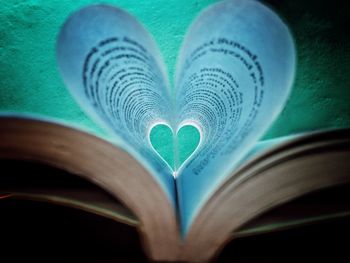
x=234 y=74
x=262 y=146
x=113 y=69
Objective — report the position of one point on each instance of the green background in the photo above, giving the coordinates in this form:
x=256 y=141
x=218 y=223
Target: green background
x=29 y=80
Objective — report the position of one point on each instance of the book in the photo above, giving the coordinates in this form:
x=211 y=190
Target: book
x=234 y=74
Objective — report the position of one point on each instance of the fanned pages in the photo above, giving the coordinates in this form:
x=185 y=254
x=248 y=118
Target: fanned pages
x=113 y=69
x=234 y=74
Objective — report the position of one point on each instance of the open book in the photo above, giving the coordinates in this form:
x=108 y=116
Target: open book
x=234 y=74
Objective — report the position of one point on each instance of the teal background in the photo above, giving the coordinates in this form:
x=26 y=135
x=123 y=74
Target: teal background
x=176 y=147
x=29 y=80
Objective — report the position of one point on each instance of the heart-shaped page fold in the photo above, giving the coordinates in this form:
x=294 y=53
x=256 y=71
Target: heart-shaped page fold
x=234 y=74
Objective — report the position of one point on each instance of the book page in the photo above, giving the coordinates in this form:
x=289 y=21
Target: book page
x=234 y=74
x=263 y=146
x=113 y=69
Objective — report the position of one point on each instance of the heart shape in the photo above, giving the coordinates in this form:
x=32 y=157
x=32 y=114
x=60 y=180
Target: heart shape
x=176 y=149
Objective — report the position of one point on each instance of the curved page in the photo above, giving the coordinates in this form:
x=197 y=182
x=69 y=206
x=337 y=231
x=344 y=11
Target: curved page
x=113 y=69
x=235 y=72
